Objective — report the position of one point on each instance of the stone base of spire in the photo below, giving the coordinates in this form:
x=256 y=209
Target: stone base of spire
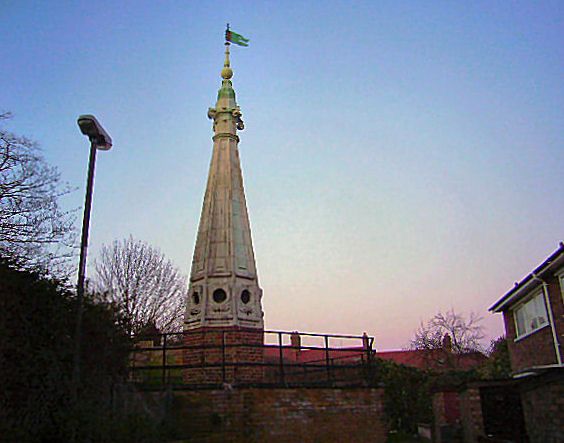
x=231 y=355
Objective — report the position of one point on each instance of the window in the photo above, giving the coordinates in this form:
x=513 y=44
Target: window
x=531 y=315
x=219 y=296
x=245 y=296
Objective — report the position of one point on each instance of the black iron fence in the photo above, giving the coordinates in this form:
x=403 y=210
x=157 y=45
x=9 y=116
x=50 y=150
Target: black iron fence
x=211 y=358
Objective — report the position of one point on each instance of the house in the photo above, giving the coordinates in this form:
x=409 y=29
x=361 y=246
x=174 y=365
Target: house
x=440 y=359
x=434 y=359
x=533 y=312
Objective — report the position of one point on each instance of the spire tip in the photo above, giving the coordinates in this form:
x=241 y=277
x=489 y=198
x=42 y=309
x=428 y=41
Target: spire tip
x=226 y=72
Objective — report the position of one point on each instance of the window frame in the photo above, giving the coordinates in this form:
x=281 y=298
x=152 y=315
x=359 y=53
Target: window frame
x=529 y=301
x=560 y=277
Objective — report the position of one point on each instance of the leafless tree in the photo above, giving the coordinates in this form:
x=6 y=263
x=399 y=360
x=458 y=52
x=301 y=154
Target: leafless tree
x=450 y=340
x=34 y=230
x=145 y=286
x=457 y=333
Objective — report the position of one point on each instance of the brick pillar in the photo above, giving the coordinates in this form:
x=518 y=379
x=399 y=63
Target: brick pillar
x=232 y=355
x=438 y=414
x=471 y=414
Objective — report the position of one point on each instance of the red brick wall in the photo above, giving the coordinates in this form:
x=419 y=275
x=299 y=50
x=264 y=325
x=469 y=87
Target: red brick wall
x=276 y=415
x=438 y=414
x=471 y=414
x=538 y=348
x=543 y=407
x=452 y=407
x=534 y=350
x=212 y=347
x=557 y=303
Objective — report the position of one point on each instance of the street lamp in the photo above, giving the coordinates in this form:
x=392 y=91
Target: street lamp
x=99 y=139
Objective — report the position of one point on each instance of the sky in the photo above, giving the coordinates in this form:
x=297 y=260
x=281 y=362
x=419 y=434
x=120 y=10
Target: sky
x=399 y=158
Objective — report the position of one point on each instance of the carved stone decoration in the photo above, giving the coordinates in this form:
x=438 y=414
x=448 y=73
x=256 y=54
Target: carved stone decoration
x=223 y=256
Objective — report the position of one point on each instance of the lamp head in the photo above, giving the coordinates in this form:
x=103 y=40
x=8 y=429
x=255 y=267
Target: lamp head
x=92 y=128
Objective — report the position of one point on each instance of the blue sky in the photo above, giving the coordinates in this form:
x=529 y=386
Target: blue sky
x=399 y=158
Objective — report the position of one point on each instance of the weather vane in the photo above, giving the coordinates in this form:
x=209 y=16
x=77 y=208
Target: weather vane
x=233 y=37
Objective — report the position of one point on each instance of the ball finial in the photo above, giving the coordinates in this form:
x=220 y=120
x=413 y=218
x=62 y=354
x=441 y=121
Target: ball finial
x=227 y=73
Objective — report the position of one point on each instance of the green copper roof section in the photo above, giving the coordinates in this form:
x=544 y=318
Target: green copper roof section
x=226 y=95
x=226 y=90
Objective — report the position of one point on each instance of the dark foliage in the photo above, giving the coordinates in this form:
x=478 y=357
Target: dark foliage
x=37 y=318
x=407 y=398
x=498 y=365
x=408 y=391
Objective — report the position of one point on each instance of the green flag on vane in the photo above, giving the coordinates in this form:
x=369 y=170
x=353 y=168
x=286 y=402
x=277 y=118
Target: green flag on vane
x=238 y=39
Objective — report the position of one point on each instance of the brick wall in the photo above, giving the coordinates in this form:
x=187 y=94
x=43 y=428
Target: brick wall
x=542 y=399
x=534 y=350
x=214 y=351
x=557 y=302
x=446 y=415
x=439 y=414
x=471 y=414
x=538 y=348
x=274 y=415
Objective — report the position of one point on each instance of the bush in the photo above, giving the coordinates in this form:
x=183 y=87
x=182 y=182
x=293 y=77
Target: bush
x=37 y=324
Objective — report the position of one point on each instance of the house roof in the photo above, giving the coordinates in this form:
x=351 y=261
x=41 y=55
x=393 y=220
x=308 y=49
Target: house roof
x=432 y=358
x=421 y=359
x=301 y=355
x=530 y=281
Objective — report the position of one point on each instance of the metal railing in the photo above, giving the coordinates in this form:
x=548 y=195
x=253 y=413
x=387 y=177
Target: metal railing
x=199 y=359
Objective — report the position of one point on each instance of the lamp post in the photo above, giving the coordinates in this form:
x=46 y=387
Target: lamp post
x=99 y=139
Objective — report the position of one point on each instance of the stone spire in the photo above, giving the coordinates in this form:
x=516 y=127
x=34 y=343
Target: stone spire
x=224 y=290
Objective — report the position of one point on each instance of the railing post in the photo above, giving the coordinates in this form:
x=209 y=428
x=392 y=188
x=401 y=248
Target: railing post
x=327 y=357
x=369 y=343
x=164 y=359
x=281 y=354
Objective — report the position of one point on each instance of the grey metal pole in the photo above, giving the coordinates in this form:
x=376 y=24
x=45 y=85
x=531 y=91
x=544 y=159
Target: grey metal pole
x=82 y=267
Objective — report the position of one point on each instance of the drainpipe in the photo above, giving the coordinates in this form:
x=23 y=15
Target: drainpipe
x=550 y=319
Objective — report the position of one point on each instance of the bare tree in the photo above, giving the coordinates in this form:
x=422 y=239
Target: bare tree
x=145 y=286
x=34 y=230
x=452 y=331
x=448 y=337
